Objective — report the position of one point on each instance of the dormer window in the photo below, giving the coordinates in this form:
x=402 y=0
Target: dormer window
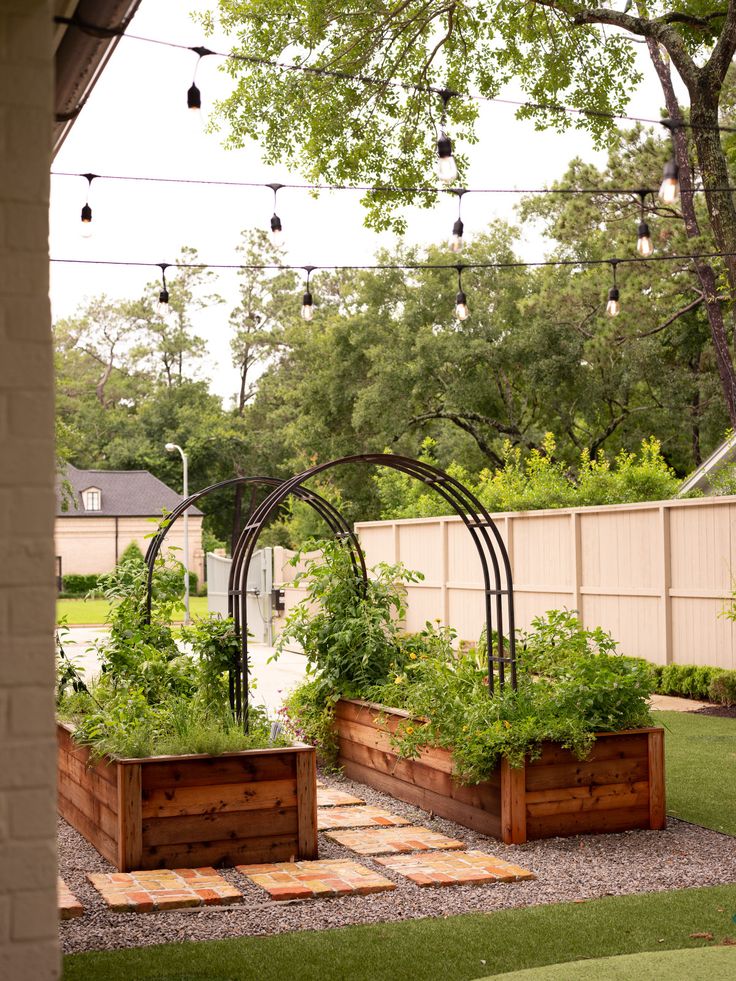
x=92 y=499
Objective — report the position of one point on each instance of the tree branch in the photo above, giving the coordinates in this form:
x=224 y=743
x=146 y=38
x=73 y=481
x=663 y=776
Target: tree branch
x=670 y=320
x=722 y=54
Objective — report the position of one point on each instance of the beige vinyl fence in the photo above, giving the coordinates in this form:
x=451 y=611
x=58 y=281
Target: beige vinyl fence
x=656 y=575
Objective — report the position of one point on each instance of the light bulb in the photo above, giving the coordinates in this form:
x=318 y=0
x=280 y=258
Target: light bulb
x=456 y=239
x=446 y=167
x=461 y=306
x=86 y=221
x=277 y=232
x=163 y=310
x=613 y=307
x=644 y=245
x=669 y=190
x=307 y=306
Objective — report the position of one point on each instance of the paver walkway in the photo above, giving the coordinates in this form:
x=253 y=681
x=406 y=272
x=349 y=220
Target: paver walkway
x=310 y=880
x=332 y=797
x=387 y=841
x=143 y=892
x=357 y=817
x=455 y=868
x=69 y=905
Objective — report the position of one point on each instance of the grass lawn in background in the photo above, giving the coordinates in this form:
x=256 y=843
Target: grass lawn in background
x=700 y=764
x=457 y=948
x=707 y=964
x=81 y=612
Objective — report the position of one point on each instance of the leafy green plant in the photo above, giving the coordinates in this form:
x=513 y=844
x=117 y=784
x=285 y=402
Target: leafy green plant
x=216 y=646
x=75 y=584
x=308 y=715
x=722 y=688
x=348 y=629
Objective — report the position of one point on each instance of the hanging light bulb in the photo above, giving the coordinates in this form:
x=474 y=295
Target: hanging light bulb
x=456 y=239
x=613 y=307
x=644 y=244
x=446 y=166
x=194 y=96
x=307 y=300
x=461 y=301
x=669 y=190
x=277 y=232
x=163 y=310
x=86 y=209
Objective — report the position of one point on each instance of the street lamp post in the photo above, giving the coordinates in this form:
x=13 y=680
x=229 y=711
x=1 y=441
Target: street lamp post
x=170 y=447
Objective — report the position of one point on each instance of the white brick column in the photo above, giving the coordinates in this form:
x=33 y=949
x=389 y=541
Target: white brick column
x=28 y=911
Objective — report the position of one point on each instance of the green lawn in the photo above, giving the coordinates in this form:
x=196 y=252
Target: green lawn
x=707 y=964
x=81 y=612
x=455 y=949
x=700 y=755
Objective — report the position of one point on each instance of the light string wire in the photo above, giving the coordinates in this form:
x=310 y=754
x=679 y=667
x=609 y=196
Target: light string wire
x=388 y=188
x=120 y=31
x=415 y=266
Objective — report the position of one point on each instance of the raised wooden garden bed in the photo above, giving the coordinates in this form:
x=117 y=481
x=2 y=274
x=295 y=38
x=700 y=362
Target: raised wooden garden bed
x=259 y=805
x=619 y=786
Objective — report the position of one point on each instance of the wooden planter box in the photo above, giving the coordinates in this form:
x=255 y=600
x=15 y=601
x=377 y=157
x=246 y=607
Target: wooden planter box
x=259 y=805
x=619 y=786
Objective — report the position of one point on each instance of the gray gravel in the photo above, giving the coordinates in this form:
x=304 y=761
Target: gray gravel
x=582 y=867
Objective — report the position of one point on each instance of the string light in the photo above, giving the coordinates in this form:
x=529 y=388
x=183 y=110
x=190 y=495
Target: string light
x=613 y=307
x=194 y=96
x=644 y=244
x=277 y=232
x=86 y=209
x=307 y=301
x=456 y=239
x=120 y=31
x=669 y=190
x=163 y=309
x=461 y=302
x=446 y=166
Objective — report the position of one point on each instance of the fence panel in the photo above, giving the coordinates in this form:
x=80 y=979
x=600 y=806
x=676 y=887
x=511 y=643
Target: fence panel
x=657 y=575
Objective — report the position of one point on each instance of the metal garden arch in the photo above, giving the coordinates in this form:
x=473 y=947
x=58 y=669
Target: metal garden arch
x=497 y=577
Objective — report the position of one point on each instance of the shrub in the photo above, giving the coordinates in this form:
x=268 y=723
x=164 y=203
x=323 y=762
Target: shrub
x=74 y=584
x=722 y=688
x=132 y=553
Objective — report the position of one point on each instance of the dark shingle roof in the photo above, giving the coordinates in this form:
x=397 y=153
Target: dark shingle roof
x=124 y=493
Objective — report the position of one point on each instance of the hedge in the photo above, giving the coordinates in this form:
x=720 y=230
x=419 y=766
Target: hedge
x=75 y=584
x=694 y=681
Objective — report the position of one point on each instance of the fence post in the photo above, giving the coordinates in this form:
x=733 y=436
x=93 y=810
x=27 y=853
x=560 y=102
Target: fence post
x=445 y=571
x=577 y=563
x=666 y=580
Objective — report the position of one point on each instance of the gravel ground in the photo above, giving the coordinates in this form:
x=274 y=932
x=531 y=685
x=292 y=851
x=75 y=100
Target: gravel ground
x=582 y=867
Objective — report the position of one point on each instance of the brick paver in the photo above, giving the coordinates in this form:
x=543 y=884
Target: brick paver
x=387 y=841
x=311 y=880
x=69 y=905
x=357 y=817
x=143 y=892
x=332 y=797
x=455 y=868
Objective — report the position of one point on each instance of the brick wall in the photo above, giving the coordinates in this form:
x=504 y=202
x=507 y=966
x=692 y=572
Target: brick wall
x=28 y=917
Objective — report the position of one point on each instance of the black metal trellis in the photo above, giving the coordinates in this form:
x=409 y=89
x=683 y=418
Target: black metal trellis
x=486 y=536
x=327 y=511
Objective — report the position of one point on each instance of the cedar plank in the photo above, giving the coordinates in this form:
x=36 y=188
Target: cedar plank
x=582 y=774
x=569 y=793
x=368 y=735
x=611 y=802
x=657 y=803
x=306 y=796
x=272 y=848
x=587 y=822
x=84 y=801
x=604 y=748
x=219 y=798
x=104 y=844
x=215 y=770
x=234 y=826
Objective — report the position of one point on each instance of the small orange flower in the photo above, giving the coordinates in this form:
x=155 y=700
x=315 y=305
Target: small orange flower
x=413 y=656
x=409 y=730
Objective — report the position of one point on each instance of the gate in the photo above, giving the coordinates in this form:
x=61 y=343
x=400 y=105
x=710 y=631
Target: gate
x=259 y=585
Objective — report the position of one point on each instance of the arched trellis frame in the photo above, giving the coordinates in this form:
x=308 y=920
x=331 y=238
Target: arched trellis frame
x=497 y=577
x=236 y=594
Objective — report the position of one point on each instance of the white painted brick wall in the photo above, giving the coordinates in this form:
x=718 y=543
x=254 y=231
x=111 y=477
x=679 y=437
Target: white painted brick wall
x=28 y=909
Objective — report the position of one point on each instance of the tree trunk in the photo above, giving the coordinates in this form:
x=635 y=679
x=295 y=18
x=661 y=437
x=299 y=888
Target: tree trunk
x=705 y=271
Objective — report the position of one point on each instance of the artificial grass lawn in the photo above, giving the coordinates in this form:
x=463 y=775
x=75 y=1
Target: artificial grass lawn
x=700 y=764
x=708 y=964
x=455 y=948
x=81 y=612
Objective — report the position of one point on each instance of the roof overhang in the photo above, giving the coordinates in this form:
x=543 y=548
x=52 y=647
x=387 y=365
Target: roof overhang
x=81 y=53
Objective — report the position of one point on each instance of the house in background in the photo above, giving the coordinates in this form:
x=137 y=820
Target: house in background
x=100 y=512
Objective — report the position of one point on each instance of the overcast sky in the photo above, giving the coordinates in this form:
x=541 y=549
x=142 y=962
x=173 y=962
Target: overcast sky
x=136 y=123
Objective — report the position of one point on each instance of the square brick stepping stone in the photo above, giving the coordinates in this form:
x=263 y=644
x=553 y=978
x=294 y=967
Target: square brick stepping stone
x=387 y=841
x=455 y=868
x=332 y=797
x=69 y=905
x=315 y=880
x=357 y=817
x=144 y=892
